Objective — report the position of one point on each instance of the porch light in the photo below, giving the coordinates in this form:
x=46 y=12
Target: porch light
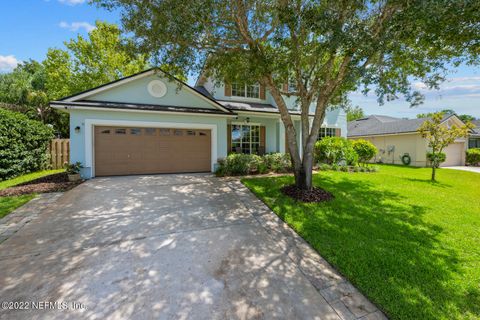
x=77 y=129
x=247 y=120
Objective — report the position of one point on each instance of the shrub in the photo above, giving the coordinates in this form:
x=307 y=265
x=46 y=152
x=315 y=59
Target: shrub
x=335 y=150
x=365 y=150
x=278 y=162
x=440 y=157
x=325 y=167
x=73 y=168
x=237 y=164
x=23 y=144
x=473 y=156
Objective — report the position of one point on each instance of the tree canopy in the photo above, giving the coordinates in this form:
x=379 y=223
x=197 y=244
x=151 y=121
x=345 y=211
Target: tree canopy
x=329 y=48
x=103 y=57
x=354 y=113
x=463 y=117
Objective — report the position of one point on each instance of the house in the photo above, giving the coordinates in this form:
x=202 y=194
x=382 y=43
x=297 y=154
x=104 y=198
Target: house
x=151 y=122
x=395 y=137
x=474 y=138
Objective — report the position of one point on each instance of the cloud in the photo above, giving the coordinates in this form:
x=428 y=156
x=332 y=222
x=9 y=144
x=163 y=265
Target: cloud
x=71 y=2
x=75 y=26
x=8 y=63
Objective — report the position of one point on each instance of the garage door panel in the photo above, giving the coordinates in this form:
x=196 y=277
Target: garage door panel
x=455 y=155
x=129 y=150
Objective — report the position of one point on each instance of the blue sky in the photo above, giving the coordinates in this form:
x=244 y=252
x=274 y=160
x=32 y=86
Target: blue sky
x=29 y=27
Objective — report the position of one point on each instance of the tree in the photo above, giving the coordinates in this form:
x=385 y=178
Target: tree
x=354 y=113
x=439 y=136
x=23 y=90
x=463 y=117
x=103 y=57
x=329 y=48
x=365 y=150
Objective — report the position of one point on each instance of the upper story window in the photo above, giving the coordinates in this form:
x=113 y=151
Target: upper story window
x=292 y=85
x=246 y=90
x=327 y=132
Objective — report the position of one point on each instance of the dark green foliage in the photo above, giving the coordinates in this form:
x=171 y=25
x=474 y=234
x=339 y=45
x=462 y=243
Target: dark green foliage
x=436 y=158
x=23 y=144
x=364 y=149
x=237 y=164
x=473 y=156
x=335 y=150
x=278 y=162
x=73 y=168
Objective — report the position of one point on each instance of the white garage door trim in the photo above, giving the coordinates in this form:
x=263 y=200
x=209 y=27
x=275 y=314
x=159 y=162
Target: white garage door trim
x=90 y=123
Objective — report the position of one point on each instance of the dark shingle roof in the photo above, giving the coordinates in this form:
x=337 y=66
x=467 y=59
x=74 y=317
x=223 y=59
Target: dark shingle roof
x=378 y=125
x=253 y=106
x=476 y=130
x=204 y=91
x=138 y=106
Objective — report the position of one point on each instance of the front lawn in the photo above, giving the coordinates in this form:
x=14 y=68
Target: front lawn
x=8 y=204
x=411 y=246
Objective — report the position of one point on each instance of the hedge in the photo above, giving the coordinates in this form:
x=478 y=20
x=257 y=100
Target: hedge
x=23 y=144
x=238 y=164
x=335 y=150
x=473 y=156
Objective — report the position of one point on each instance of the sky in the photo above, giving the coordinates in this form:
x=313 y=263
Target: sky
x=29 y=27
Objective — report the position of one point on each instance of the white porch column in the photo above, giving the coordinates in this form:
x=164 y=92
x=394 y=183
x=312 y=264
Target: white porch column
x=281 y=137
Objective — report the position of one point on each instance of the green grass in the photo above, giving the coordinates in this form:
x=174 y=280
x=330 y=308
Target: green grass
x=410 y=245
x=27 y=177
x=8 y=204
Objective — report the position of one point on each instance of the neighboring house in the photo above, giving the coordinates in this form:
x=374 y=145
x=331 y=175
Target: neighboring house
x=395 y=137
x=151 y=122
x=474 y=138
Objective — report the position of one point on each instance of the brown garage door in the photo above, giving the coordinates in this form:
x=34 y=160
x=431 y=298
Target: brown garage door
x=128 y=150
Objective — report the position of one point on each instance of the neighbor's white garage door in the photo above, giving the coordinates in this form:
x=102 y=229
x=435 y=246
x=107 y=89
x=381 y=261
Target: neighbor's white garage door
x=455 y=155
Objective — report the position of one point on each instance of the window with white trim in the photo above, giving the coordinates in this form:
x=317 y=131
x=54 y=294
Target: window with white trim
x=326 y=132
x=245 y=138
x=246 y=90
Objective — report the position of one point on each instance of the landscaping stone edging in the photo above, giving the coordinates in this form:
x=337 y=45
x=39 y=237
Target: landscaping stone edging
x=343 y=297
x=15 y=220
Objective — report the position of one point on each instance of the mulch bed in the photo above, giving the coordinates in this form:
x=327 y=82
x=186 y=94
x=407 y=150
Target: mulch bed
x=52 y=183
x=314 y=195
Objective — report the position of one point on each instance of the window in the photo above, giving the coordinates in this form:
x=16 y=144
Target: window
x=245 y=138
x=135 y=131
x=120 y=131
x=190 y=133
x=326 y=132
x=106 y=131
x=246 y=90
x=178 y=132
x=474 y=143
x=164 y=132
x=202 y=133
x=150 y=131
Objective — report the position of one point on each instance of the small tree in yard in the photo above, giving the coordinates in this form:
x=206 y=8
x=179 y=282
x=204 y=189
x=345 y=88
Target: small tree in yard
x=439 y=137
x=327 y=48
x=365 y=150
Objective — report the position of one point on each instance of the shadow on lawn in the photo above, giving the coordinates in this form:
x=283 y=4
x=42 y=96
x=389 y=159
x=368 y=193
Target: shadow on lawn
x=382 y=244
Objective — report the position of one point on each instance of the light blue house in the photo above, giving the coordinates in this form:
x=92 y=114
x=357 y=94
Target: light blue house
x=152 y=123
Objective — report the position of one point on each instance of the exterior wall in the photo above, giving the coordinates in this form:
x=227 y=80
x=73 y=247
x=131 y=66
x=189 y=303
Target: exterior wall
x=335 y=118
x=79 y=118
x=270 y=129
x=136 y=92
x=413 y=144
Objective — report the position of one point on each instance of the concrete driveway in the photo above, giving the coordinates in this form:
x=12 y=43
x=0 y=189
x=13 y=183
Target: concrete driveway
x=464 y=168
x=168 y=247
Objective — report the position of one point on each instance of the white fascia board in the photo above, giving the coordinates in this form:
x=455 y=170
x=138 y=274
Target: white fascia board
x=69 y=108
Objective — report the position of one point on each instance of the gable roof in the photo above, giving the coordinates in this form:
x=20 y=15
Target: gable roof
x=476 y=130
x=380 y=125
x=81 y=96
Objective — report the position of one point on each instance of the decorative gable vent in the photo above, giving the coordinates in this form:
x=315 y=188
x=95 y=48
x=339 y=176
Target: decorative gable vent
x=157 y=88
